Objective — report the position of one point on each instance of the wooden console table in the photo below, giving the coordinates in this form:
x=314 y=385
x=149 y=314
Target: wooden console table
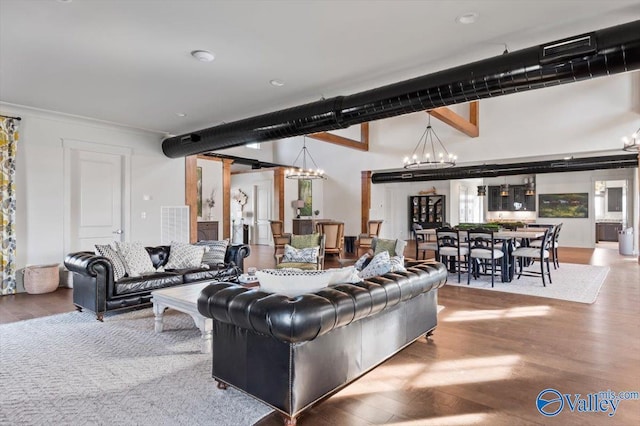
x=303 y=226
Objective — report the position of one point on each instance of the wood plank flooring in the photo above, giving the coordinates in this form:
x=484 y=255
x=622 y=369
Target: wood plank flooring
x=491 y=355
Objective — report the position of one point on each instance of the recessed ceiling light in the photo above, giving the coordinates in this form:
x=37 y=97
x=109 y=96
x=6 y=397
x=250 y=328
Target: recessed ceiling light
x=65 y=1
x=181 y=114
x=203 y=55
x=467 y=18
x=276 y=83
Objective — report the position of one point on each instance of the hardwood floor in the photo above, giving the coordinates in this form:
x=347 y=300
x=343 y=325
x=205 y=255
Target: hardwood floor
x=491 y=354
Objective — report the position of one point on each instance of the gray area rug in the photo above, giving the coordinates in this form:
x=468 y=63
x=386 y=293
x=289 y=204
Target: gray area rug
x=70 y=369
x=575 y=283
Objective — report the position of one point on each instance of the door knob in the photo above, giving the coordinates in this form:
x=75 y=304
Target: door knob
x=117 y=231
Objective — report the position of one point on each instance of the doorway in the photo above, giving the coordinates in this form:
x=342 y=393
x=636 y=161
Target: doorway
x=96 y=194
x=263 y=195
x=610 y=202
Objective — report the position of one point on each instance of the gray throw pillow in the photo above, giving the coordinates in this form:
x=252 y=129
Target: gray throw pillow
x=217 y=251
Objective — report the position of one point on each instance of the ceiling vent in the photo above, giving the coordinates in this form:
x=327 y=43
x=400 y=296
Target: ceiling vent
x=600 y=53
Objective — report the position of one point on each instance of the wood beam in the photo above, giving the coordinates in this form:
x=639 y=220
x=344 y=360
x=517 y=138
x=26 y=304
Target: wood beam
x=226 y=198
x=361 y=145
x=469 y=127
x=365 y=202
x=278 y=190
x=191 y=194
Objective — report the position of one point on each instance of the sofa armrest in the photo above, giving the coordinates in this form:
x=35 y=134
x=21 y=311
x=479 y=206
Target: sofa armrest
x=236 y=254
x=93 y=278
x=88 y=263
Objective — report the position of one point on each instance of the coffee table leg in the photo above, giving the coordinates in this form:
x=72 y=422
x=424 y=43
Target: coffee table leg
x=206 y=332
x=158 y=311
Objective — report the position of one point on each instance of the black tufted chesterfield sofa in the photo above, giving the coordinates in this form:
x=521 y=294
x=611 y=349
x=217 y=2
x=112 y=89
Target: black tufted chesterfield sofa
x=292 y=352
x=94 y=288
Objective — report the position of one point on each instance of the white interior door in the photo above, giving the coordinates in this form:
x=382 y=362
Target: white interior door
x=263 y=196
x=96 y=199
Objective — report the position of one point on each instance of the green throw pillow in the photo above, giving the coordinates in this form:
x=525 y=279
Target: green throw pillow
x=305 y=241
x=385 y=245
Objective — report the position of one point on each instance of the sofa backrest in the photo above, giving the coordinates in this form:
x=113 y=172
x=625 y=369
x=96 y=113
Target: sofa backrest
x=306 y=317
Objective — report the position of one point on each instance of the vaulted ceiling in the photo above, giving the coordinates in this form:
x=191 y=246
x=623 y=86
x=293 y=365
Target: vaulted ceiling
x=130 y=63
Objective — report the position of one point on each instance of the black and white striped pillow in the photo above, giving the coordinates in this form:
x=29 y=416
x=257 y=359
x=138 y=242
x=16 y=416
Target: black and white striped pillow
x=217 y=251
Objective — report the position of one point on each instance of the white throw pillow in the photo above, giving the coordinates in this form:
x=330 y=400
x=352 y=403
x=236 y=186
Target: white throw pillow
x=379 y=265
x=183 y=255
x=292 y=283
x=397 y=264
x=136 y=259
x=304 y=255
x=344 y=275
x=360 y=262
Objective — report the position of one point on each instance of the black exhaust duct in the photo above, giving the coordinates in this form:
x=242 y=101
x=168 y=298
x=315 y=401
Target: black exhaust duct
x=603 y=52
x=494 y=170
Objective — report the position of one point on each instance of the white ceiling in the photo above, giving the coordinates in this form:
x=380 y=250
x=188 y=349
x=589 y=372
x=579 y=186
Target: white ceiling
x=129 y=62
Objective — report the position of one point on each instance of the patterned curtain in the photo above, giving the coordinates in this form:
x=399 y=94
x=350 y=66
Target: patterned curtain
x=8 y=141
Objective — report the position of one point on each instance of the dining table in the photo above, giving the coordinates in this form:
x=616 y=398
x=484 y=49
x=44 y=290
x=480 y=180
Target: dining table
x=508 y=237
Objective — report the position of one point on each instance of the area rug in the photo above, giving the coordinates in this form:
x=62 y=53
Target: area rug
x=575 y=283
x=72 y=369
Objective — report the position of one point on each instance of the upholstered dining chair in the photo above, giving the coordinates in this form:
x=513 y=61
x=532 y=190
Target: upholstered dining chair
x=450 y=250
x=553 y=248
x=532 y=253
x=334 y=237
x=366 y=239
x=303 y=252
x=483 y=253
x=422 y=243
x=279 y=237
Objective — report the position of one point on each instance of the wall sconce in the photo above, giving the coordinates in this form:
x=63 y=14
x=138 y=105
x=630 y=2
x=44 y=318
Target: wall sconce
x=482 y=190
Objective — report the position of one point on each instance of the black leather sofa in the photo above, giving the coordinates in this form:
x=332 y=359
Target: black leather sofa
x=94 y=287
x=292 y=352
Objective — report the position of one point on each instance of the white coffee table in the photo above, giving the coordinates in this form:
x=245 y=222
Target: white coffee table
x=184 y=298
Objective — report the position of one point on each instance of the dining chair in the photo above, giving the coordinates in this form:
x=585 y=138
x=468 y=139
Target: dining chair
x=366 y=239
x=422 y=243
x=540 y=251
x=553 y=248
x=280 y=238
x=334 y=237
x=296 y=254
x=483 y=253
x=450 y=250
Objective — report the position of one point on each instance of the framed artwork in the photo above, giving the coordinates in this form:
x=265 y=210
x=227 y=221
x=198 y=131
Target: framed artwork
x=573 y=205
x=199 y=186
x=304 y=194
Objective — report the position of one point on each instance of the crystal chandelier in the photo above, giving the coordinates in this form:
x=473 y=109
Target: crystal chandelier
x=301 y=171
x=632 y=144
x=425 y=155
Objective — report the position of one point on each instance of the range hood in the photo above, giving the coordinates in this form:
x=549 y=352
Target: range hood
x=599 y=53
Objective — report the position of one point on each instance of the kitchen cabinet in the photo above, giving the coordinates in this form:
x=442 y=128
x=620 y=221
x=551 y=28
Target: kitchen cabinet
x=515 y=201
x=428 y=211
x=607 y=231
x=614 y=199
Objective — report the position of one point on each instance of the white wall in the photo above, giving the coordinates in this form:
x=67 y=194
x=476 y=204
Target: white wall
x=39 y=180
x=573 y=119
